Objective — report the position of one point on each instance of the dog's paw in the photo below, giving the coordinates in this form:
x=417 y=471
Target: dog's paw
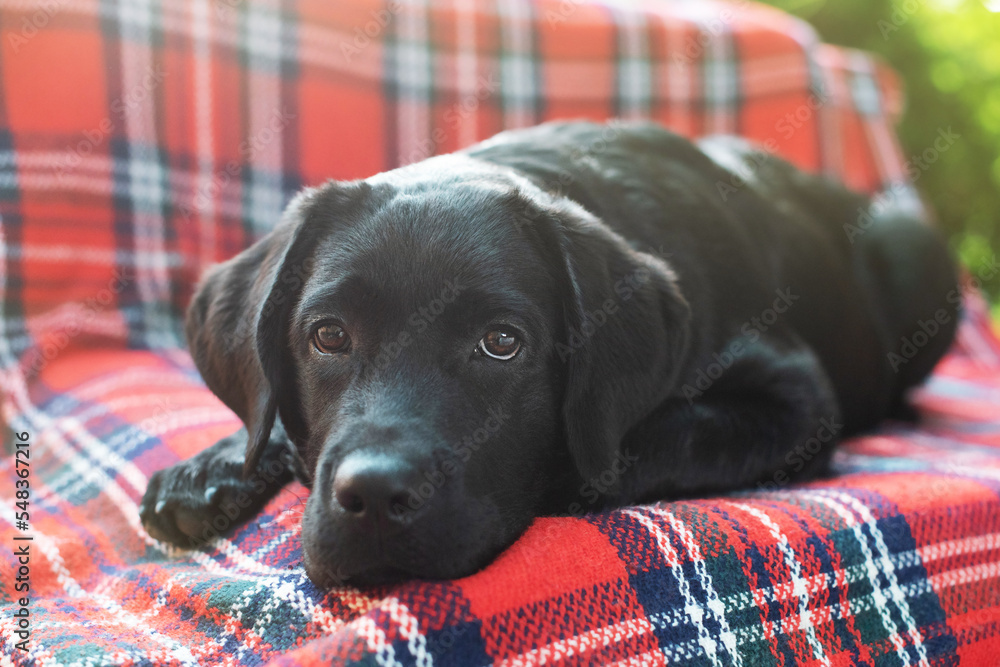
x=194 y=501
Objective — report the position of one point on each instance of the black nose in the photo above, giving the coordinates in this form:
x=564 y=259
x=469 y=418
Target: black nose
x=373 y=486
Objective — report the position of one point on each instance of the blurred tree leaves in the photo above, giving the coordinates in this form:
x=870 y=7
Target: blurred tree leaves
x=948 y=54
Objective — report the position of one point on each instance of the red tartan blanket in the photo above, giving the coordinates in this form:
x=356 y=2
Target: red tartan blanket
x=140 y=142
x=894 y=561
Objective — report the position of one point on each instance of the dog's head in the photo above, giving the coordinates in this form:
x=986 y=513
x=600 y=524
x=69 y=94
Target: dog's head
x=450 y=349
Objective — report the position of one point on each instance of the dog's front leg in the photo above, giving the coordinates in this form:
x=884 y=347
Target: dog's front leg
x=771 y=417
x=194 y=501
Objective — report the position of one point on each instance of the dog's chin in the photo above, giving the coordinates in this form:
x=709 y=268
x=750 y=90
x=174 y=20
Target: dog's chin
x=341 y=553
x=335 y=559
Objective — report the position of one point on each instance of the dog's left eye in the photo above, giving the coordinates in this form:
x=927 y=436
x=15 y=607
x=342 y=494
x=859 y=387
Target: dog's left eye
x=331 y=338
x=499 y=344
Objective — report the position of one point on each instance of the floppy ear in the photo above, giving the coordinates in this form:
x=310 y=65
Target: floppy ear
x=627 y=335
x=237 y=323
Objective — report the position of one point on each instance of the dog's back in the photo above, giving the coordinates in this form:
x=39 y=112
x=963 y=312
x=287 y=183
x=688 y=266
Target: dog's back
x=739 y=225
x=905 y=275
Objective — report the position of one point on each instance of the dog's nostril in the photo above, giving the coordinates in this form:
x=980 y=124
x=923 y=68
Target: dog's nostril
x=372 y=486
x=350 y=501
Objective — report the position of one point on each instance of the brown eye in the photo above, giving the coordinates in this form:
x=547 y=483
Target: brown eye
x=502 y=345
x=330 y=339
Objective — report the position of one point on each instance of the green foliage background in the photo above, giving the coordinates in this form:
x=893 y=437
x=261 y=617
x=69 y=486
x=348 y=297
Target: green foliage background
x=948 y=54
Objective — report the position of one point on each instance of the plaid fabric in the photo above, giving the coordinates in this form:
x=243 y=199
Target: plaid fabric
x=141 y=142
x=896 y=561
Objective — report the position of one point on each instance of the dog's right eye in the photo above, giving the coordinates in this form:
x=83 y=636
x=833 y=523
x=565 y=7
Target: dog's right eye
x=330 y=339
x=500 y=345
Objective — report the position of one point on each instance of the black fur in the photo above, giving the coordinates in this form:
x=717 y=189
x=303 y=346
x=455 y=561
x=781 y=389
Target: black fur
x=680 y=335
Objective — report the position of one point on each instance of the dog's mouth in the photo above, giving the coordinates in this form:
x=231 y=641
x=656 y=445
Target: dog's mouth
x=345 y=558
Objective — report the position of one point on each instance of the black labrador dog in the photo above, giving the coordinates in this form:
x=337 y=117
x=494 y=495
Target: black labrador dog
x=561 y=319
